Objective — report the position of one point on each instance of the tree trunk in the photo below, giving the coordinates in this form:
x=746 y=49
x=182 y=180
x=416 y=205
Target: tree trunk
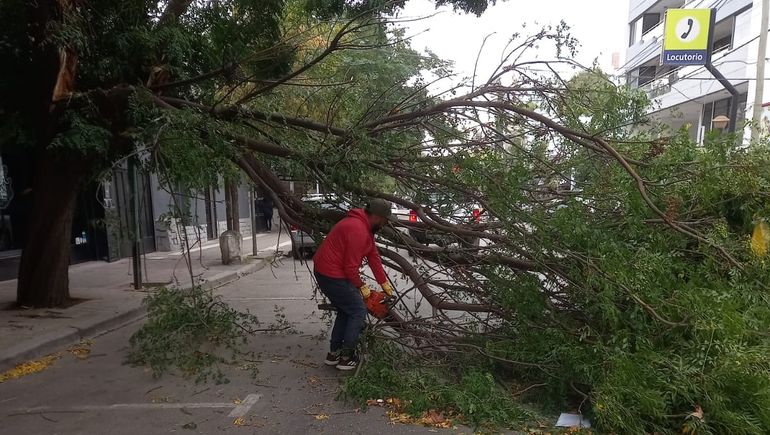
x=228 y=206
x=236 y=209
x=44 y=269
x=231 y=206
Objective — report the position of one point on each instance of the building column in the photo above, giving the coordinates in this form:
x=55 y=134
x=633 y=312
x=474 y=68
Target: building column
x=751 y=70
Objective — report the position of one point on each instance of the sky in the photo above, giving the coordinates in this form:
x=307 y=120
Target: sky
x=599 y=25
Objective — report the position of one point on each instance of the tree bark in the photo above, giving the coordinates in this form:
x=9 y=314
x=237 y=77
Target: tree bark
x=231 y=206
x=44 y=269
x=228 y=206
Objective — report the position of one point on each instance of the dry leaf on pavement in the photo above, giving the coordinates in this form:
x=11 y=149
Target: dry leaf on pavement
x=29 y=367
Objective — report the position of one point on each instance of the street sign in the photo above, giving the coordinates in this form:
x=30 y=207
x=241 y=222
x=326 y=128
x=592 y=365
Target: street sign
x=688 y=36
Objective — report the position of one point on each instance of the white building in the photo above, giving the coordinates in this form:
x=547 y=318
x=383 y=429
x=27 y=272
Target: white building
x=690 y=95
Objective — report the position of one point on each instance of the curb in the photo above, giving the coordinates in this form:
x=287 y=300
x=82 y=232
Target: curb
x=224 y=278
x=55 y=341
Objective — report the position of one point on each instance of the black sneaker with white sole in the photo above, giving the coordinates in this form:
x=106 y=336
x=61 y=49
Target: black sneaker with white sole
x=347 y=363
x=332 y=358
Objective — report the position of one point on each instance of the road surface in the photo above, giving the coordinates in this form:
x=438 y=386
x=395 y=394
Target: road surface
x=294 y=392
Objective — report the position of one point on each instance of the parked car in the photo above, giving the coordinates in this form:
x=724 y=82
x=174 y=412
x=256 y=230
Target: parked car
x=399 y=212
x=456 y=213
x=303 y=245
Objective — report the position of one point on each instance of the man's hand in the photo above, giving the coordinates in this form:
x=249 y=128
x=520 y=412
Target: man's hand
x=387 y=288
x=365 y=291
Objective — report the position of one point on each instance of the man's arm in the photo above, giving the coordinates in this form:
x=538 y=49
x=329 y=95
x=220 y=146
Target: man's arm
x=354 y=247
x=375 y=264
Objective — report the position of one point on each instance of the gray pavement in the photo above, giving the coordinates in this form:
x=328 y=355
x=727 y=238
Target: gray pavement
x=107 y=299
x=294 y=393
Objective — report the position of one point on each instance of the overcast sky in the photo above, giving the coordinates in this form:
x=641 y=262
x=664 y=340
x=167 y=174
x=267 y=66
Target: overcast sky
x=599 y=25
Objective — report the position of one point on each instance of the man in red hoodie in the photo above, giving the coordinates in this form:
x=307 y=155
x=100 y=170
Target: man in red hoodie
x=337 y=263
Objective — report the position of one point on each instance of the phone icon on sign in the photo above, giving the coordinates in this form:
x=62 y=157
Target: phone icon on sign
x=690 y=23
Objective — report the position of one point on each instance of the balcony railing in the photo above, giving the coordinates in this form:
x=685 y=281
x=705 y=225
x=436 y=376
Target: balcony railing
x=662 y=85
x=655 y=32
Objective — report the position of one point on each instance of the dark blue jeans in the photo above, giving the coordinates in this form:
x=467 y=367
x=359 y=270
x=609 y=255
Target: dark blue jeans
x=351 y=312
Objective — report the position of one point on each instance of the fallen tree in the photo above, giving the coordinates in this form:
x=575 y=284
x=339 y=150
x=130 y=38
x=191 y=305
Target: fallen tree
x=614 y=270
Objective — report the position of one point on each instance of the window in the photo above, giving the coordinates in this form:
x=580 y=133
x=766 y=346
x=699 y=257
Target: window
x=722 y=107
x=646 y=74
x=649 y=21
x=723 y=35
x=631 y=79
x=635 y=34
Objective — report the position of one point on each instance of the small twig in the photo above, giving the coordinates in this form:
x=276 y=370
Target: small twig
x=18 y=414
x=153 y=389
x=199 y=392
x=520 y=392
x=48 y=418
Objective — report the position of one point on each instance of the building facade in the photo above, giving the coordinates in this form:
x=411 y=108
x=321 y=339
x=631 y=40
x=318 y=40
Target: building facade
x=103 y=224
x=690 y=96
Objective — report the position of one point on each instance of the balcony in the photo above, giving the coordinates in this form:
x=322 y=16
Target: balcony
x=638 y=7
x=647 y=48
x=661 y=86
x=692 y=82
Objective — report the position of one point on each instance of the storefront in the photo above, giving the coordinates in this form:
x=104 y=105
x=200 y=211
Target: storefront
x=100 y=226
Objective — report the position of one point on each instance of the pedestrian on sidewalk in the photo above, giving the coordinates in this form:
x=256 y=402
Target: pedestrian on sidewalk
x=336 y=268
x=267 y=212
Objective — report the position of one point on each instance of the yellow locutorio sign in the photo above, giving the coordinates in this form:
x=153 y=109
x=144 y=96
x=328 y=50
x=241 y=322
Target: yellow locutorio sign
x=688 y=36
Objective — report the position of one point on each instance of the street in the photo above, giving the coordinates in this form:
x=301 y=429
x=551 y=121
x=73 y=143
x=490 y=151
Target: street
x=293 y=393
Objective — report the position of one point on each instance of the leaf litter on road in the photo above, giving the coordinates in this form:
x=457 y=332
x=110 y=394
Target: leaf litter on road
x=29 y=367
x=396 y=414
x=80 y=351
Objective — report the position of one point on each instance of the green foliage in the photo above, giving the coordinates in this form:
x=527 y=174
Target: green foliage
x=645 y=329
x=121 y=44
x=328 y=8
x=467 y=390
x=187 y=331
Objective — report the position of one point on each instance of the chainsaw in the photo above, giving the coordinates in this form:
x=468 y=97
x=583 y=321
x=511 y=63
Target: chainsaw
x=378 y=304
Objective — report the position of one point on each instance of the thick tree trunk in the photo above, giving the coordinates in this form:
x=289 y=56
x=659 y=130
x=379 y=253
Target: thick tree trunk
x=231 y=206
x=44 y=270
x=236 y=209
x=228 y=207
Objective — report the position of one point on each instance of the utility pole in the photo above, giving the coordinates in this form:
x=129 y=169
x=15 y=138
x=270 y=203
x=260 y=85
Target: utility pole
x=136 y=236
x=761 y=56
x=253 y=216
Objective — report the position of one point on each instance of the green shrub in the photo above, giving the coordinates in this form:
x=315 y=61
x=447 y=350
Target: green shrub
x=470 y=393
x=189 y=331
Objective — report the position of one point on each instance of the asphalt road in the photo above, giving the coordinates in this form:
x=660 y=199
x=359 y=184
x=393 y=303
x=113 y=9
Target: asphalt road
x=294 y=392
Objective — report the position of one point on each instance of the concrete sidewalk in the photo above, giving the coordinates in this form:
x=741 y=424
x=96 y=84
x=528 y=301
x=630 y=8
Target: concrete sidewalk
x=105 y=299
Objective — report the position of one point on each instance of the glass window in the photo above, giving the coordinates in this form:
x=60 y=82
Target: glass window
x=742 y=101
x=722 y=107
x=646 y=74
x=635 y=34
x=708 y=115
x=649 y=21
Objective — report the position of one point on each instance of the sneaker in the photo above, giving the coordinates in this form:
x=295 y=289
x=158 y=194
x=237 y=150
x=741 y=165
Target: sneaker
x=332 y=358
x=347 y=363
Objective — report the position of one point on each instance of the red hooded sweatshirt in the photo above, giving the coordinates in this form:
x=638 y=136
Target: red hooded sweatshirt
x=346 y=245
